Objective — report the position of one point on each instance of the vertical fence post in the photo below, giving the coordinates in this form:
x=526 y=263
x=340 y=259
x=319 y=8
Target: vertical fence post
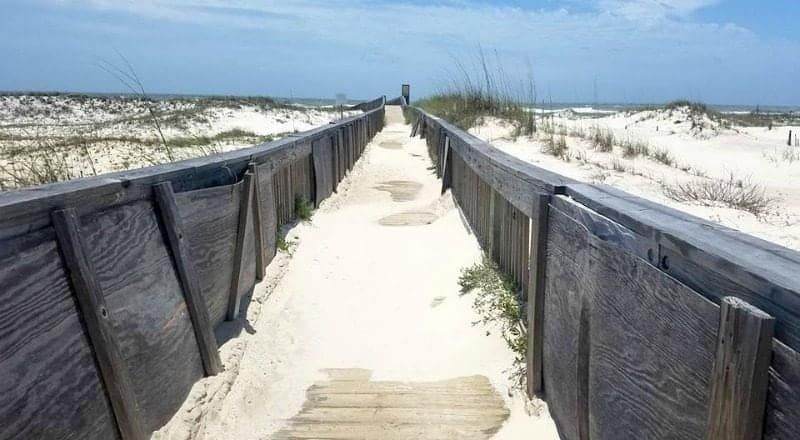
x=406 y=92
x=740 y=375
x=536 y=288
x=257 y=220
x=195 y=304
x=97 y=318
x=238 y=259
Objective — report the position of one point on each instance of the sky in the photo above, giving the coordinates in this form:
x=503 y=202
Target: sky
x=645 y=51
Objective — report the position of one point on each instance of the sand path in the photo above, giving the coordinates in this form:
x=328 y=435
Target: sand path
x=365 y=334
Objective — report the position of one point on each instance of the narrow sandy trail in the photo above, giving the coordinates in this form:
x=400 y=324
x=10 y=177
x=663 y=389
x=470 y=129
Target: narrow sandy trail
x=367 y=313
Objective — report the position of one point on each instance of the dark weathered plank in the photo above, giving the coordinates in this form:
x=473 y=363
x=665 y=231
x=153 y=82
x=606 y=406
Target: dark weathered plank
x=647 y=380
x=536 y=292
x=144 y=299
x=49 y=382
x=210 y=219
x=184 y=266
x=97 y=317
x=782 y=419
x=245 y=212
x=709 y=258
x=269 y=219
x=258 y=222
x=740 y=375
x=323 y=169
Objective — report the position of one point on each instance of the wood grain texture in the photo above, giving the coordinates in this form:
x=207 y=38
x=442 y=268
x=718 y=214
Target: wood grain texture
x=740 y=375
x=536 y=291
x=782 y=419
x=210 y=220
x=49 y=382
x=187 y=274
x=239 y=281
x=98 y=317
x=144 y=298
x=713 y=260
x=269 y=215
x=323 y=169
x=258 y=226
x=651 y=341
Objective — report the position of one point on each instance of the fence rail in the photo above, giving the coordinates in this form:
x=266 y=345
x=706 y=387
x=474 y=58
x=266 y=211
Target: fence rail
x=643 y=321
x=113 y=285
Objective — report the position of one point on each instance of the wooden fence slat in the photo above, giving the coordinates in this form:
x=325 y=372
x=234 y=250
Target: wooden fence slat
x=97 y=318
x=536 y=289
x=740 y=375
x=258 y=221
x=195 y=304
x=238 y=260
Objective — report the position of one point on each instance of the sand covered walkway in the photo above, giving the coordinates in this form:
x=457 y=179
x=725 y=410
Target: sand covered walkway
x=362 y=333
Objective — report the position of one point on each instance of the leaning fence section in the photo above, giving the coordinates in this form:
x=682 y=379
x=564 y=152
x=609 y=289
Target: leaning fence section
x=113 y=286
x=642 y=321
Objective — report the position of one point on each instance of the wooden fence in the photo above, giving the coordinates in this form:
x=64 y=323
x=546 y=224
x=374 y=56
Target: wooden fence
x=643 y=322
x=112 y=286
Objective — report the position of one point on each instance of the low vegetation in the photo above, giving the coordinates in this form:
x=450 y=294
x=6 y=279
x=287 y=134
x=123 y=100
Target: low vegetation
x=473 y=93
x=497 y=303
x=731 y=192
x=303 y=208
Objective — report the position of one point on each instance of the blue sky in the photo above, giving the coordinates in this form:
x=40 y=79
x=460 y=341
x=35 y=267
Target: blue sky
x=719 y=51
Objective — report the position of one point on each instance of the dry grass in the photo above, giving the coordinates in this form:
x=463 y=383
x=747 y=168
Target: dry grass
x=732 y=192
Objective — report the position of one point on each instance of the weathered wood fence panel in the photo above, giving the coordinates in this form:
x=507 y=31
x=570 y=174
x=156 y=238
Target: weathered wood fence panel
x=149 y=316
x=626 y=336
x=48 y=381
x=641 y=376
x=140 y=260
x=210 y=218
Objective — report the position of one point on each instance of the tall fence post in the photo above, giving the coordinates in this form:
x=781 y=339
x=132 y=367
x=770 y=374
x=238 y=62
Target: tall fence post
x=406 y=92
x=195 y=304
x=238 y=259
x=536 y=288
x=740 y=375
x=97 y=318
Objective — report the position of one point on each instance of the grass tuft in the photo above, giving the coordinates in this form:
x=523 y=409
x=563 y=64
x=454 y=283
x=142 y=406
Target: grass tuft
x=303 y=208
x=731 y=192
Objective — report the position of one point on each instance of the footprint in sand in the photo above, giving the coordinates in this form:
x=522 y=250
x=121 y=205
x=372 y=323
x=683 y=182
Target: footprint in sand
x=409 y=218
x=400 y=190
x=391 y=145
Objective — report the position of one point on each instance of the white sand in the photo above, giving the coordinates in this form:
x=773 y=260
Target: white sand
x=98 y=135
x=753 y=154
x=357 y=294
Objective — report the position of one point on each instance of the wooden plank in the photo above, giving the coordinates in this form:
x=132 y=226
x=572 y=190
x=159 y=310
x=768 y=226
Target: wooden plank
x=740 y=376
x=210 y=219
x=258 y=221
x=195 y=303
x=245 y=211
x=708 y=257
x=536 y=292
x=323 y=169
x=143 y=294
x=51 y=387
x=651 y=341
x=783 y=399
x=269 y=219
x=97 y=318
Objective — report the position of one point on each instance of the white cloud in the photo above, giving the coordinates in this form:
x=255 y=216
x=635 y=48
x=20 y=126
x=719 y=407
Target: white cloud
x=640 y=44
